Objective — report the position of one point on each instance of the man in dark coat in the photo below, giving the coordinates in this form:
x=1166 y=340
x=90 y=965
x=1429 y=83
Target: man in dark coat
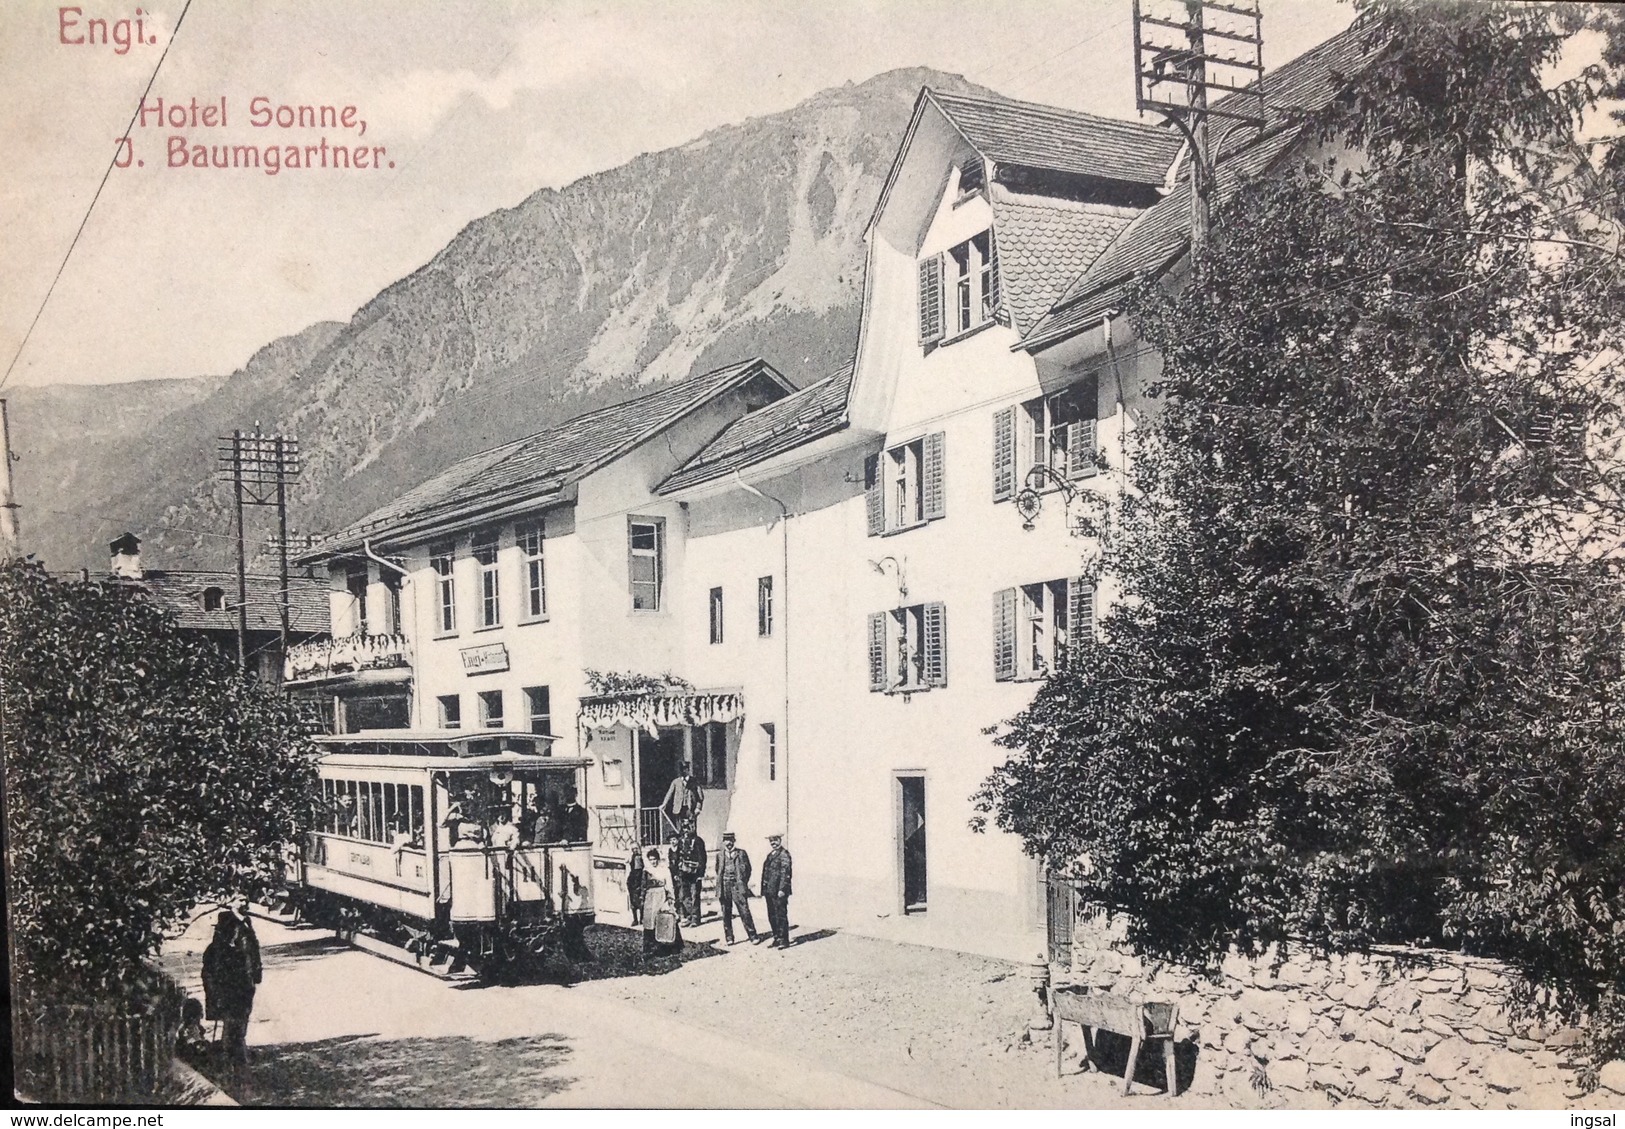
x=683 y=799
x=688 y=870
x=776 y=890
x=733 y=889
x=231 y=970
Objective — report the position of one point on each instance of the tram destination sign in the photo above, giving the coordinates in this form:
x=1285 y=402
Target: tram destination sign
x=487 y=659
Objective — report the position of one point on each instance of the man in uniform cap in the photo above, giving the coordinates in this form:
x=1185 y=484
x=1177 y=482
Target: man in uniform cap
x=733 y=888
x=776 y=890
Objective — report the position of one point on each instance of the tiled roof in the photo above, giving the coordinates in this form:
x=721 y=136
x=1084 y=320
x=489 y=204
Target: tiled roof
x=549 y=460
x=182 y=593
x=1044 y=243
x=817 y=410
x=1150 y=244
x=1024 y=133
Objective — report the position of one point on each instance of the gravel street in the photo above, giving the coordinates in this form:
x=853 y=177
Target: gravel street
x=835 y=1021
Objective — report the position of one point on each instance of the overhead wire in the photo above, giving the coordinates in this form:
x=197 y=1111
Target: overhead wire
x=97 y=195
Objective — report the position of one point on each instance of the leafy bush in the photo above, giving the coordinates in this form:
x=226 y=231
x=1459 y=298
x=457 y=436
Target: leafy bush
x=143 y=775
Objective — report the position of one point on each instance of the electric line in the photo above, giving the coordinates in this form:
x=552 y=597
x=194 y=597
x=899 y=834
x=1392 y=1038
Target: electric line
x=51 y=289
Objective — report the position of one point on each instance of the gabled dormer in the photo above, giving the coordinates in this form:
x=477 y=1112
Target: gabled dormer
x=991 y=208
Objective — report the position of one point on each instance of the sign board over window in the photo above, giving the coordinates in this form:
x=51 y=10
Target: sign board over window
x=487 y=659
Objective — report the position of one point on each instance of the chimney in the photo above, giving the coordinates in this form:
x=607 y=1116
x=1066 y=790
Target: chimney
x=126 y=557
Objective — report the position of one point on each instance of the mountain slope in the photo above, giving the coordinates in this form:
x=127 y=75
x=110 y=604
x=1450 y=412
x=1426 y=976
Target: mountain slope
x=745 y=241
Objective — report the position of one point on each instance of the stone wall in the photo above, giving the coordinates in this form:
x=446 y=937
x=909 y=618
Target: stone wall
x=1398 y=1028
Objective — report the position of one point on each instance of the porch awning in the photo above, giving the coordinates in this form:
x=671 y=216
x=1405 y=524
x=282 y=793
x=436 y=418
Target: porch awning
x=651 y=711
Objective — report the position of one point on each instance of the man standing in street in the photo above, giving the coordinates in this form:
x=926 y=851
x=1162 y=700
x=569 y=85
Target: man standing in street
x=776 y=890
x=733 y=889
x=688 y=868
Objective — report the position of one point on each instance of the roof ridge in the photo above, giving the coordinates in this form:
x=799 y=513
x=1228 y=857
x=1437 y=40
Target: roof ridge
x=1045 y=108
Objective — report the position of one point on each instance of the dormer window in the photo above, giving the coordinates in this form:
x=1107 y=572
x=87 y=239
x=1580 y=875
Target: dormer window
x=214 y=599
x=969 y=273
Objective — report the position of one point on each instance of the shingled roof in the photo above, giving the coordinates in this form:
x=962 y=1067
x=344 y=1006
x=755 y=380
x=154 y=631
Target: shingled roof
x=1161 y=234
x=1024 y=133
x=1044 y=244
x=542 y=465
x=182 y=591
x=817 y=410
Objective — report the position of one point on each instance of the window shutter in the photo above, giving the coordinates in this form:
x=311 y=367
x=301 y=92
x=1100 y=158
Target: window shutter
x=995 y=285
x=877 y=651
x=1080 y=448
x=930 y=299
x=1080 y=611
x=1004 y=454
x=936 y=645
x=934 y=499
x=874 y=495
x=1004 y=634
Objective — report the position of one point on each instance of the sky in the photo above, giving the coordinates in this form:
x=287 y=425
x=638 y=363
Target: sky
x=181 y=271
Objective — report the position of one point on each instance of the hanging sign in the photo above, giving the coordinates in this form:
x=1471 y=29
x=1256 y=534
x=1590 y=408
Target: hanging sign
x=488 y=659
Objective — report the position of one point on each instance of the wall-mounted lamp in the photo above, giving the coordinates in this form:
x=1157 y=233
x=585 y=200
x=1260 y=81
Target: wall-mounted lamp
x=898 y=568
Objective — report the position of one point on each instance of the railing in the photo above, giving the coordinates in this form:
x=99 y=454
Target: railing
x=319 y=659
x=98 y=1054
x=655 y=828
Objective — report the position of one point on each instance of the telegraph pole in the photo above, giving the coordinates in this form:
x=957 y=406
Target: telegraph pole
x=1176 y=79
x=260 y=467
x=10 y=539
x=242 y=561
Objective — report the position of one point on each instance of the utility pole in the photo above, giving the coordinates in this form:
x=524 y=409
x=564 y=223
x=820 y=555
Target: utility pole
x=1176 y=79
x=260 y=467
x=10 y=539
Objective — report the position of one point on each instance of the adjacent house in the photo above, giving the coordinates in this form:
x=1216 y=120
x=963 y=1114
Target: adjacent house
x=205 y=604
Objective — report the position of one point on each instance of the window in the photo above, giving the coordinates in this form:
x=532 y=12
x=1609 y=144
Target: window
x=491 y=709
x=908 y=649
x=770 y=740
x=214 y=599
x=1037 y=625
x=904 y=485
x=539 y=705
x=646 y=566
x=764 y=606
x=535 y=572
x=711 y=755
x=485 y=553
x=355 y=581
x=716 y=615
x=972 y=177
x=451 y=711
x=972 y=285
x=1056 y=432
x=442 y=559
x=392 y=600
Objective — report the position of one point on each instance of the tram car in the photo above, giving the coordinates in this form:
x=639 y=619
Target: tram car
x=466 y=847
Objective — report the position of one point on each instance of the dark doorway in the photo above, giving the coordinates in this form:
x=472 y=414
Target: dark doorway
x=660 y=761
x=912 y=815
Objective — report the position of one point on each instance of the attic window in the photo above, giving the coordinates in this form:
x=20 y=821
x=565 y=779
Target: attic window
x=214 y=599
x=972 y=177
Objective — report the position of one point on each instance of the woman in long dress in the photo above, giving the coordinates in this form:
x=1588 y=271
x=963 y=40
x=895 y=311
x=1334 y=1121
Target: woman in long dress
x=659 y=892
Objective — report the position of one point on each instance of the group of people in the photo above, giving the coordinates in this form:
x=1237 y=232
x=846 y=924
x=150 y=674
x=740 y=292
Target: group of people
x=555 y=818
x=664 y=894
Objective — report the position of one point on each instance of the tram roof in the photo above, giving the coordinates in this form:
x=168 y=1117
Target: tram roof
x=428 y=762
x=441 y=748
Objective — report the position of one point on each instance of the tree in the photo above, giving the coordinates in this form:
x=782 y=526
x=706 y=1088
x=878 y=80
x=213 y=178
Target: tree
x=143 y=775
x=1363 y=683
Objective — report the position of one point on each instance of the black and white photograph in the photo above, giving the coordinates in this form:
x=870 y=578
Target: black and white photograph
x=885 y=555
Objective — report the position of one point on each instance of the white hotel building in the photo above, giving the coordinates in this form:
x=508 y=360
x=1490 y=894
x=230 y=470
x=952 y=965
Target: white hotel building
x=841 y=574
